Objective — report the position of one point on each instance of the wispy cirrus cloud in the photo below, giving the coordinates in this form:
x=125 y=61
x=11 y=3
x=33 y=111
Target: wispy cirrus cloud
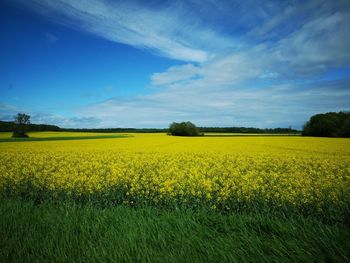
x=318 y=45
x=202 y=31
x=168 y=31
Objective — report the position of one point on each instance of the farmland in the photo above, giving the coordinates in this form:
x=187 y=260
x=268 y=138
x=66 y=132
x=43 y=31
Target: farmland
x=269 y=177
x=58 y=136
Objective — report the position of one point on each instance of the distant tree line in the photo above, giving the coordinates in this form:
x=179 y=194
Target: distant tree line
x=201 y=129
x=330 y=124
x=111 y=130
x=9 y=126
x=249 y=130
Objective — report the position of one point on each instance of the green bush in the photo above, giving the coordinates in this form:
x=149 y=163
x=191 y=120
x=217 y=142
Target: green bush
x=184 y=129
x=19 y=134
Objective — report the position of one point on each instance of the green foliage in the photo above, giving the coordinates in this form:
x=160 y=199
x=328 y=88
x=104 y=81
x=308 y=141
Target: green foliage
x=22 y=122
x=330 y=124
x=184 y=129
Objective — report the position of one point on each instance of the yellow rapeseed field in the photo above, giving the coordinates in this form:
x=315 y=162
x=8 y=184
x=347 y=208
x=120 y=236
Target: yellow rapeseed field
x=310 y=175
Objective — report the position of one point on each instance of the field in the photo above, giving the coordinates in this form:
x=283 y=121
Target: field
x=257 y=185
x=56 y=136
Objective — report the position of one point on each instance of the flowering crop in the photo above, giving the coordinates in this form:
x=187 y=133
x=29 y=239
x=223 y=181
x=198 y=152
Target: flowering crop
x=308 y=175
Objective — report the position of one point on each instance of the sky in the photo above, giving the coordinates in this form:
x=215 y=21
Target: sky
x=143 y=64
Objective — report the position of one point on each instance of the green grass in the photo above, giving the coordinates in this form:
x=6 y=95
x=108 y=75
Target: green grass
x=71 y=232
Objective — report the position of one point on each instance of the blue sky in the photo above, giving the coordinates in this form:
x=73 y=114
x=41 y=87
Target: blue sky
x=102 y=63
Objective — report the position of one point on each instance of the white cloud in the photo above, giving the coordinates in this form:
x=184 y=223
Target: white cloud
x=320 y=44
x=272 y=106
x=175 y=74
x=234 y=68
x=278 y=105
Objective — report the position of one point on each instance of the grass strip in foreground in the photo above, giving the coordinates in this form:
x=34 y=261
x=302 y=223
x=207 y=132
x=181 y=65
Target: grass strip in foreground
x=69 y=232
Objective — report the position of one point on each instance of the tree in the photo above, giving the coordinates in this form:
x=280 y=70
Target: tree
x=184 y=129
x=22 y=122
x=330 y=124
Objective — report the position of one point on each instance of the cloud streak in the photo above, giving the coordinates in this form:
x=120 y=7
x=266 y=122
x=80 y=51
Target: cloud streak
x=303 y=35
x=168 y=32
x=175 y=74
